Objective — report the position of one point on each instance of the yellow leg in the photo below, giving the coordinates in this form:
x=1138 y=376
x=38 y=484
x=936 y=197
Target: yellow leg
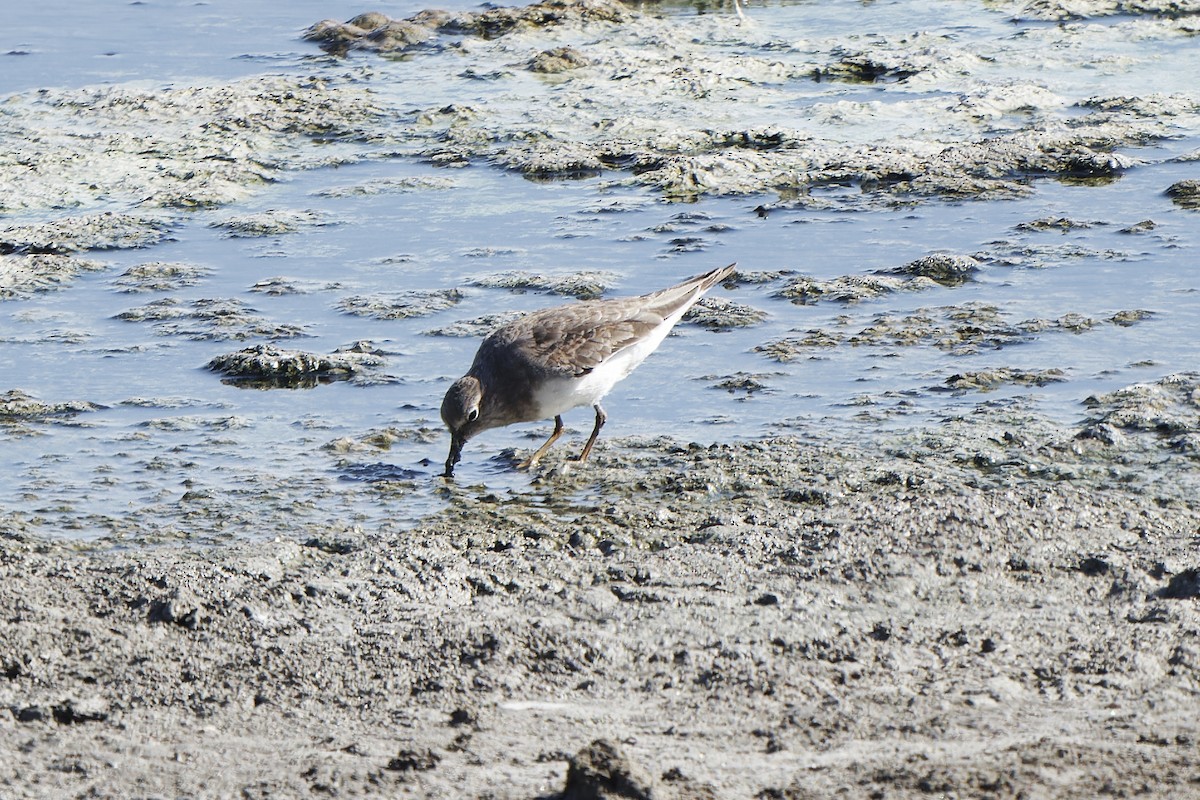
x=541 y=451
x=601 y=418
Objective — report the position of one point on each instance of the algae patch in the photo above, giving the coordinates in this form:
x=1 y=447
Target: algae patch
x=174 y=148
x=22 y=275
x=268 y=366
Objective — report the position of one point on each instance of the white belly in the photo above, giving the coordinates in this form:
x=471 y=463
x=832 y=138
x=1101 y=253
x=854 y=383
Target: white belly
x=561 y=395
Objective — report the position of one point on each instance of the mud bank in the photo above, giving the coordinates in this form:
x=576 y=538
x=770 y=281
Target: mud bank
x=148 y=156
x=714 y=105
x=989 y=605
x=993 y=608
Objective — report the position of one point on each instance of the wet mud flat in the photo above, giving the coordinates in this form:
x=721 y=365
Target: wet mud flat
x=996 y=607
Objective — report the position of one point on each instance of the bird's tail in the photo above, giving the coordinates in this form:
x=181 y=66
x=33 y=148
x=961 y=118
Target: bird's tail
x=674 y=301
x=711 y=279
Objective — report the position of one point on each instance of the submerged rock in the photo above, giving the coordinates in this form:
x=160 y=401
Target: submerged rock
x=477 y=327
x=280 y=285
x=1145 y=226
x=1130 y=317
x=747 y=382
x=793 y=348
x=1185 y=194
x=1022 y=256
x=1062 y=224
x=416 y=183
x=959 y=330
x=896 y=58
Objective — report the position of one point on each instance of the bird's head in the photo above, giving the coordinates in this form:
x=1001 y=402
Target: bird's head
x=461 y=413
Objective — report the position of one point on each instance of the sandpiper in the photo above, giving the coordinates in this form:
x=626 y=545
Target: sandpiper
x=556 y=359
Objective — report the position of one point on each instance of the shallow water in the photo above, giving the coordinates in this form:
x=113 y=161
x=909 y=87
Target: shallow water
x=177 y=448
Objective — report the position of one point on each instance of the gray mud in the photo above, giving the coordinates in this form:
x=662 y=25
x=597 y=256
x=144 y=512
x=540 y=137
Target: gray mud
x=996 y=607
x=19 y=410
x=957 y=330
x=629 y=95
x=23 y=274
x=992 y=603
x=177 y=148
x=214 y=319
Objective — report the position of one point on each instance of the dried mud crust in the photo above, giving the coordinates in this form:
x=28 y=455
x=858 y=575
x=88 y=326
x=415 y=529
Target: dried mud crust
x=995 y=607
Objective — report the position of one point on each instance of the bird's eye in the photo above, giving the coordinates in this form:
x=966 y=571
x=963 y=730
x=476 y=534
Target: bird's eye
x=473 y=415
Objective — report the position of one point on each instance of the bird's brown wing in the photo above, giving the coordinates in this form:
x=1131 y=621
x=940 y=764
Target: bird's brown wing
x=575 y=339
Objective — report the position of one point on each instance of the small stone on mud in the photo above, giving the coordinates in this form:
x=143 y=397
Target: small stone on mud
x=411 y=760
x=181 y=608
x=1182 y=586
x=558 y=59
x=602 y=772
x=460 y=717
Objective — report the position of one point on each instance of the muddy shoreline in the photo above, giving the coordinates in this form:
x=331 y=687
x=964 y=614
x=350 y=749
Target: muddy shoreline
x=995 y=608
x=994 y=604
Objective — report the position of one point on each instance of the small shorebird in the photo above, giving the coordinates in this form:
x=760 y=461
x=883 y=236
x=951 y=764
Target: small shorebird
x=550 y=361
